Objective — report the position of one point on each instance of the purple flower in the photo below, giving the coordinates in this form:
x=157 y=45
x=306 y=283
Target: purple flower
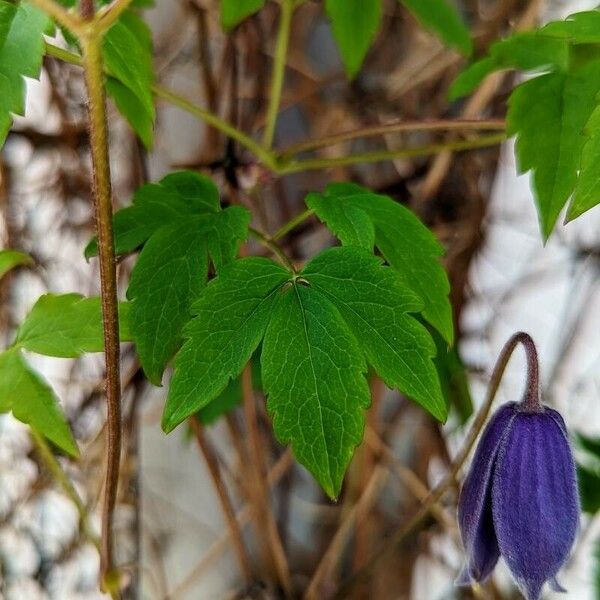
x=520 y=498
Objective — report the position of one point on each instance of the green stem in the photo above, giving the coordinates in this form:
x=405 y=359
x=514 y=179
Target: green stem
x=58 y=474
x=300 y=166
x=394 y=127
x=388 y=547
x=109 y=15
x=94 y=78
x=274 y=248
x=278 y=76
x=292 y=224
x=263 y=155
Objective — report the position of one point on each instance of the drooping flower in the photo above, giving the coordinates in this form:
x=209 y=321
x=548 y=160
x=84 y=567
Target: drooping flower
x=520 y=499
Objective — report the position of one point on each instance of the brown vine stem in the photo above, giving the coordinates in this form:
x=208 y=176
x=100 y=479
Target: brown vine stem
x=94 y=79
x=273 y=550
x=228 y=511
x=363 y=574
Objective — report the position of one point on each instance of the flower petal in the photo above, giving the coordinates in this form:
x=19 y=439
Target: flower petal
x=475 y=502
x=534 y=499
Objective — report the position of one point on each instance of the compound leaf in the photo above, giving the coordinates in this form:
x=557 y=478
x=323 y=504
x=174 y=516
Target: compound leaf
x=32 y=401
x=21 y=52
x=355 y=24
x=404 y=241
x=441 y=17
x=67 y=326
x=313 y=372
x=229 y=323
x=233 y=12
x=376 y=306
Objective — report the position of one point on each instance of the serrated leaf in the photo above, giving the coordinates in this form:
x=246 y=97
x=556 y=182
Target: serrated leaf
x=441 y=17
x=528 y=51
x=548 y=115
x=582 y=28
x=404 y=241
x=587 y=190
x=169 y=274
x=233 y=12
x=355 y=24
x=9 y=259
x=21 y=52
x=376 y=306
x=229 y=323
x=67 y=326
x=133 y=110
x=230 y=398
x=127 y=54
x=313 y=372
x=32 y=401
x=178 y=195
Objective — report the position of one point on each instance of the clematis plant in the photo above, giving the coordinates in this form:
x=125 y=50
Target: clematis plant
x=520 y=499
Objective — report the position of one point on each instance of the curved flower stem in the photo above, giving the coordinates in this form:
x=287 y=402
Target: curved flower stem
x=363 y=574
x=281 y=49
x=57 y=472
x=94 y=78
x=532 y=401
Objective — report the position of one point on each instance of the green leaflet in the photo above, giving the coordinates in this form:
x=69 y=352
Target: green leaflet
x=32 y=401
x=67 y=326
x=155 y=205
x=529 y=51
x=21 y=51
x=404 y=241
x=587 y=191
x=376 y=305
x=127 y=53
x=314 y=375
x=233 y=12
x=588 y=473
x=319 y=330
x=548 y=115
x=9 y=259
x=229 y=323
x=355 y=24
x=443 y=19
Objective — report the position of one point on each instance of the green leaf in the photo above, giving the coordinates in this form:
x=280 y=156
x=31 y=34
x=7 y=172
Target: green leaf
x=528 y=51
x=453 y=378
x=233 y=12
x=177 y=196
x=231 y=317
x=32 y=401
x=589 y=445
x=441 y=17
x=404 y=241
x=67 y=326
x=548 y=115
x=127 y=54
x=230 y=398
x=9 y=259
x=589 y=489
x=375 y=304
x=355 y=24
x=580 y=28
x=21 y=52
x=587 y=190
x=133 y=110
x=314 y=375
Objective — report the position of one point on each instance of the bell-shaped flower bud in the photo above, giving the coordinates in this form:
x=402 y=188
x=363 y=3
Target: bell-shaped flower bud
x=519 y=499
